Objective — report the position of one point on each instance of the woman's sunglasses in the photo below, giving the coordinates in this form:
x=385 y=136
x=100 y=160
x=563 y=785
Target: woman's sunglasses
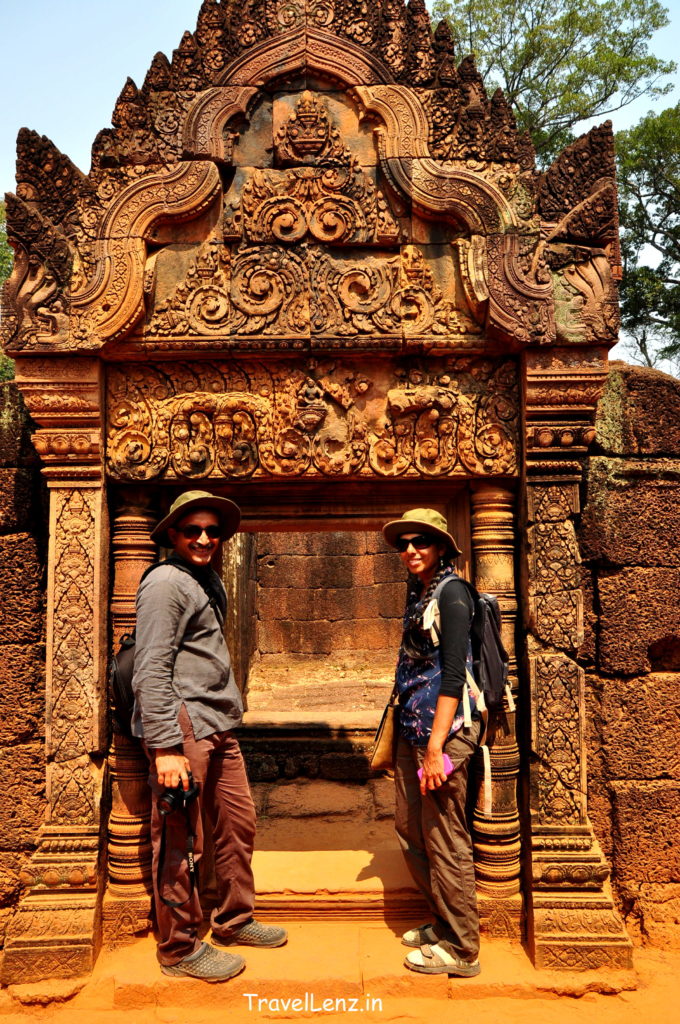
x=422 y=540
x=192 y=531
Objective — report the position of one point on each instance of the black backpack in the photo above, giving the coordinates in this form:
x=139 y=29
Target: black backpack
x=122 y=664
x=489 y=657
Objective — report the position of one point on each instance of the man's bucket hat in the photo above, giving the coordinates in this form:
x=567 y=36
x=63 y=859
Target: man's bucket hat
x=421 y=520
x=227 y=512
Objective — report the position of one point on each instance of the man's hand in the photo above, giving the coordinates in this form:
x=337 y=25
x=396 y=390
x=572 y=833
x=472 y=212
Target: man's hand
x=171 y=768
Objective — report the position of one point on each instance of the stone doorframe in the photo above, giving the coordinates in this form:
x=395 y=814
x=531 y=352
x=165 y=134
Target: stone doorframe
x=533 y=262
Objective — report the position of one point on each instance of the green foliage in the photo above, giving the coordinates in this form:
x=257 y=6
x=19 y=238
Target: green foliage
x=6 y=364
x=649 y=188
x=561 y=61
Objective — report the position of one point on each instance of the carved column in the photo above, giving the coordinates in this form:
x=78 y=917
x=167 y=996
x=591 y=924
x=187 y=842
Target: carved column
x=572 y=921
x=496 y=835
x=127 y=903
x=55 y=931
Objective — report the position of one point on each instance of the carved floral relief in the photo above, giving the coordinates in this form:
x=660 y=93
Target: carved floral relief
x=246 y=419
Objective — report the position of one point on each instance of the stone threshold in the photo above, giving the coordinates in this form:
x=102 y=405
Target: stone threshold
x=324 y=960
x=334 y=722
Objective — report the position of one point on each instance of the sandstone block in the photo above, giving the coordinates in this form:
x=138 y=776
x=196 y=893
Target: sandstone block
x=632 y=516
x=317 y=799
x=659 y=909
x=641 y=740
x=15 y=444
x=645 y=839
x=348 y=542
x=10 y=865
x=639 y=620
x=280 y=636
x=639 y=413
x=15 y=500
x=300 y=571
x=22 y=693
x=343 y=766
x=21 y=619
x=365 y=634
x=22 y=795
x=388 y=568
x=334 y=603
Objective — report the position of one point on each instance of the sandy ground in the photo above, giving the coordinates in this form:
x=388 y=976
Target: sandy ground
x=126 y=987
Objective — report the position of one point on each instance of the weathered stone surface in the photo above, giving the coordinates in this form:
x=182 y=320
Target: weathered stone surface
x=639 y=412
x=15 y=500
x=632 y=516
x=22 y=693
x=300 y=571
x=20 y=589
x=384 y=600
x=312 y=799
x=638 y=741
x=22 y=795
x=646 y=845
x=638 y=613
x=599 y=795
x=349 y=542
x=656 y=909
x=15 y=444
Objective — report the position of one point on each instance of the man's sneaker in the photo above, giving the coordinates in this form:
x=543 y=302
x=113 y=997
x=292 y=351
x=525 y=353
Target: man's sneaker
x=206 y=964
x=254 y=933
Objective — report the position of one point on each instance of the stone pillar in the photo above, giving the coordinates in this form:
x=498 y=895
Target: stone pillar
x=572 y=921
x=496 y=836
x=127 y=904
x=55 y=931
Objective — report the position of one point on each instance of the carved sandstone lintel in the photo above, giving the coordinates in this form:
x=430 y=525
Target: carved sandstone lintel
x=250 y=419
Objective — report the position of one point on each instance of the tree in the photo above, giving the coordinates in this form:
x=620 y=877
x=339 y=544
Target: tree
x=649 y=189
x=561 y=61
x=6 y=364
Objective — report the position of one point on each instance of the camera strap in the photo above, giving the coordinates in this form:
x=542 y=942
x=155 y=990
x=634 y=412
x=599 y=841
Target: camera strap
x=193 y=866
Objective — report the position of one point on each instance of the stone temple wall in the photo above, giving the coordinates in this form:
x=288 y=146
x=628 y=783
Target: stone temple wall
x=23 y=529
x=328 y=609
x=631 y=574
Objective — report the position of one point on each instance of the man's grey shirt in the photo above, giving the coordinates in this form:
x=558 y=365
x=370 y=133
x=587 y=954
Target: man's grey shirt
x=181 y=657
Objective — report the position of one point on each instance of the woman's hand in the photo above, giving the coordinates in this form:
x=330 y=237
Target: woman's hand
x=433 y=770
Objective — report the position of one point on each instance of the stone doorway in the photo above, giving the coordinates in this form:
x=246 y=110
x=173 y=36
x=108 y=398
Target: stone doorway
x=316 y=668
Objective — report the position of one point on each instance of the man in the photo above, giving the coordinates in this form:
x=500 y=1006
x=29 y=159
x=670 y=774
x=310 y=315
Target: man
x=187 y=705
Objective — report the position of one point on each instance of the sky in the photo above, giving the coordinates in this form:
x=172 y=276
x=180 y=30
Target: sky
x=65 y=63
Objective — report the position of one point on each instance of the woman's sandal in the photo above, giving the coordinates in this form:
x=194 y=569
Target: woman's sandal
x=418 y=937
x=436 y=960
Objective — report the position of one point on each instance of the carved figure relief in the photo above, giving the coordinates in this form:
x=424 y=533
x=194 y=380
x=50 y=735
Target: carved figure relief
x=246 y=419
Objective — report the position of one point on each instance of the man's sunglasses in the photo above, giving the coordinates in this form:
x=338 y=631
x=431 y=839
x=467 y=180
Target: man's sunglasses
x=422 y=540
x=192 y=531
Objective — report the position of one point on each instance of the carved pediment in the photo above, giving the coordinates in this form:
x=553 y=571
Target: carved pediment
x=307 y=294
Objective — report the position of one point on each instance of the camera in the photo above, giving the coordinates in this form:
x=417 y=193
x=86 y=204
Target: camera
x=177 y=798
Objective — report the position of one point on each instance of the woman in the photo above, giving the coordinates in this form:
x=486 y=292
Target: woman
x=431 y=681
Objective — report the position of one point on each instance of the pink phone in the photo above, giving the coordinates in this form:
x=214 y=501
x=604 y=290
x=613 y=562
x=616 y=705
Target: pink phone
x=448 y=766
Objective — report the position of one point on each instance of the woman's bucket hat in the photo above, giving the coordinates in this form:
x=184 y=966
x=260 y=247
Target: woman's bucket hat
x=421 y=520
x=228 y=514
